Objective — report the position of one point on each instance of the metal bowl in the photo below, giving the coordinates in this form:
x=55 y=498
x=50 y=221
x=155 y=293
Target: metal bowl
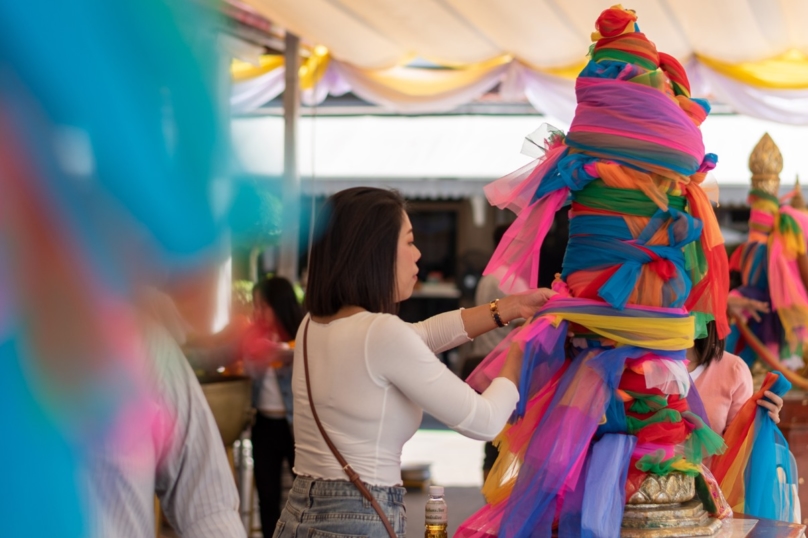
x=229 y=399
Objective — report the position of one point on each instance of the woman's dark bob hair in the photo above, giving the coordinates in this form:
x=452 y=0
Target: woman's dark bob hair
x=353 y=258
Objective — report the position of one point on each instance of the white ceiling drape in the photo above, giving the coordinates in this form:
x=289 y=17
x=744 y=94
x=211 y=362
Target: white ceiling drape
x=378 y=34
x=748 y=54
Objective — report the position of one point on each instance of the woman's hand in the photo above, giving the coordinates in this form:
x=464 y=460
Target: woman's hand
x=743 y=307
x=478 y=320
x=774 y=406
x=528 y=302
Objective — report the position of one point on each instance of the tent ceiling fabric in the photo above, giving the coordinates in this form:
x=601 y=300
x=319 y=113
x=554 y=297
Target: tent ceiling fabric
x=544 y=33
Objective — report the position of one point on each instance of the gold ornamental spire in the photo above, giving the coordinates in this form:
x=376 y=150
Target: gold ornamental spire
x=766 y=163
x=797 y=201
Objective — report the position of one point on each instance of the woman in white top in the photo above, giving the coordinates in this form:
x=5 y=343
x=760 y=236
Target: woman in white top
x=372 y=374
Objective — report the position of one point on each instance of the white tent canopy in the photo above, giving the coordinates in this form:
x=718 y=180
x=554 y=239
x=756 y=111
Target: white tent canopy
x=750 y=55
x=544 y=33
x=455 y=156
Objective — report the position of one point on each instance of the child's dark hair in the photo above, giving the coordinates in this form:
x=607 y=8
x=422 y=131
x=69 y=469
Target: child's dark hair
x=710 y=347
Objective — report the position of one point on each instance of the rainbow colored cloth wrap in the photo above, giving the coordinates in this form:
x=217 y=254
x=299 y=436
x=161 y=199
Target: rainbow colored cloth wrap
x=605 y=393
x=758 y=461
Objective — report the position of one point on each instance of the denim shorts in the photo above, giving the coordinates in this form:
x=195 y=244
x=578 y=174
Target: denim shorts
x=335 y=508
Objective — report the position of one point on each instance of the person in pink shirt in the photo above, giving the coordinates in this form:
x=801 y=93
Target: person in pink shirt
x=722 y=379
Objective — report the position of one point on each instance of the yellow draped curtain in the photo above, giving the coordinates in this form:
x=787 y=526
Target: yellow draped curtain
x=311 y=71
x=788 y=71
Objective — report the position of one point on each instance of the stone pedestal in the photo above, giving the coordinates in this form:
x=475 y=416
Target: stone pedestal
x=666 y=506
x=672 y=519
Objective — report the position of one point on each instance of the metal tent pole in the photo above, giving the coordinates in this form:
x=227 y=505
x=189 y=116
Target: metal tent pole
x=287 y=264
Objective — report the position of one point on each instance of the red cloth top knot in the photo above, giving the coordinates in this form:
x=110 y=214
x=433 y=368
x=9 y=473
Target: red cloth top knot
x=614 y=21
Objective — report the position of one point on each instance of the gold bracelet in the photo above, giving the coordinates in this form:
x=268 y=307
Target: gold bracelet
x=494 y=307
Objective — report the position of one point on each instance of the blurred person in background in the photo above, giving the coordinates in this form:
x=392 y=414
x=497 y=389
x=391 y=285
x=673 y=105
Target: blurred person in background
x=267 y=357
x=260 y=346
x=171 y=448
x=221 y=352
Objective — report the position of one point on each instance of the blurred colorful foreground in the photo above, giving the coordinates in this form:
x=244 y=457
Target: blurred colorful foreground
x=114 y=174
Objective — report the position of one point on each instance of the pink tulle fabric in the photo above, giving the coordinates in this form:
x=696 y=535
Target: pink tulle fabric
x=762 y=218
x=785 y=287
x=518 y=438
x=784 y=270
x=516 y=190
x=516 y=260
x=484 y=523
x=800 y=216
x=653 y=448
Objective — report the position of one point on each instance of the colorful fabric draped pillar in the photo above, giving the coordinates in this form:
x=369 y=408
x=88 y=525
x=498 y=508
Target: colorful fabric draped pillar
x=604 y=375
x=769 y=265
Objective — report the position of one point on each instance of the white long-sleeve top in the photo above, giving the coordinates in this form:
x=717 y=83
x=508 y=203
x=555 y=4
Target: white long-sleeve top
x=372 y=376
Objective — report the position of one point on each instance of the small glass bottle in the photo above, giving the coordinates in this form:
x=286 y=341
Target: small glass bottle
x=436 y=517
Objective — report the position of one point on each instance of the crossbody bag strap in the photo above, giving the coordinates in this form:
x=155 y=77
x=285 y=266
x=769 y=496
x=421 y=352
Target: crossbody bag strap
x=352 y=475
